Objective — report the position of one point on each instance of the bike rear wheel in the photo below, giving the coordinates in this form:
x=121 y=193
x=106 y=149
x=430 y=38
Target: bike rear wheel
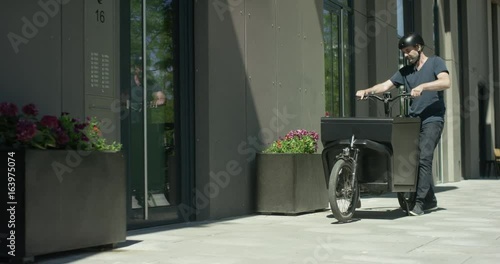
x=343 y=194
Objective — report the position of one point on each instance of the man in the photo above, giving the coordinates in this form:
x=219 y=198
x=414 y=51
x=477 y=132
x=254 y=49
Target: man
x=425 y=78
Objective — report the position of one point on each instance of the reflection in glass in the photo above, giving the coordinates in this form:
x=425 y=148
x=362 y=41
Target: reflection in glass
x=338 y=61
x=136 y=108
x=160 y=72
x=152 y=103
x=347 y=65
x=332 y=80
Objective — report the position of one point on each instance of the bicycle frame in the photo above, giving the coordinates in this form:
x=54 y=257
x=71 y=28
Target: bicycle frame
x=374 y=159
x=380 y=136
x=353 y=158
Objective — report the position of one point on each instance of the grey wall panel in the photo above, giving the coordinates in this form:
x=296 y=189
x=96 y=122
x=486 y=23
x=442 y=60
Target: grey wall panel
x=384 y=37
x=361 y=51
x=100 y=57
x=45 y=65
x=424 y=24
x=448 y=33
x=238 y=57
x=117 y=46
x=359 y=7
x=202 y=118
x=100 y=48
x=313 y=73
x=386 y=13
x=102 y=107
x=227 y=107
x=72 y=58
x=290 y=68
x=261 y=62
x=496 y=70
x=382 y=48
x=476 y=70
x=31 y=69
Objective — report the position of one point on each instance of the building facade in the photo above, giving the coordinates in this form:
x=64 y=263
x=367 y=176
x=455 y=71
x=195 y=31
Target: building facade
x=194 y=89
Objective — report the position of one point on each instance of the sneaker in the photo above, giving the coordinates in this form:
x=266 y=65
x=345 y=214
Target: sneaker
x=417 y=210
x=430 y=206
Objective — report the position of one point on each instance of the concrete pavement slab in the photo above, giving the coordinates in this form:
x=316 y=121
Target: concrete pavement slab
x=466 y=229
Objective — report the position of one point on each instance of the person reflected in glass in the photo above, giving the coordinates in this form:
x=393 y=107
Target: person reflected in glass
x=155 y=100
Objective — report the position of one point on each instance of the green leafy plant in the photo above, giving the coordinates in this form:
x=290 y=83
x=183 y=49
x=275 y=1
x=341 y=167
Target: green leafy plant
x=93 y=132
x=296 y=141
x=25 y=129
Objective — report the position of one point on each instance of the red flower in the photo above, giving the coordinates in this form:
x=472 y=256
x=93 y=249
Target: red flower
x=97 y=130
x=8 y=109
x=30 y=110
x=62 y=137
x=26 y=130
x=50 y=122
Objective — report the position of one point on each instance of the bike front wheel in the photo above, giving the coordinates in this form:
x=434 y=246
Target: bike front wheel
x=407 y=200
x=343 y=193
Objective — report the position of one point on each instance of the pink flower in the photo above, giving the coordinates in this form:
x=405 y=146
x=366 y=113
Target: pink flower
x=8 y=109
x=26 y=130
x=50 y=122
x=85 y=138
x=62 y=137
x=30 y=110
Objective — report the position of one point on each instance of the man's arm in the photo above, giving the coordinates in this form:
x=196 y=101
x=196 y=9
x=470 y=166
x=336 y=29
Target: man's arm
x=442 y=83
x=376 y=89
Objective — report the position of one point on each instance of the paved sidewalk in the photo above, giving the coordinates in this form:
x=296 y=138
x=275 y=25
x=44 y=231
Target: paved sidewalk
x=465 y=230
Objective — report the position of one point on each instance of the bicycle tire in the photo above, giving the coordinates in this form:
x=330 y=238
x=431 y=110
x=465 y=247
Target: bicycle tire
x=341 y=190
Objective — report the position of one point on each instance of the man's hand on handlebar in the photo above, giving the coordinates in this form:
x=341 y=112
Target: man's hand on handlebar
x=417 y=91
x=362 y=94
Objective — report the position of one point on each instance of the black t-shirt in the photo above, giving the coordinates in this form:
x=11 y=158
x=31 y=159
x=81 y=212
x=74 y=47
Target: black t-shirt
x=430 y=105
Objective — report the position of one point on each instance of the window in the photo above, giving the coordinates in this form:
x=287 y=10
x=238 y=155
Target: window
x=339 y=91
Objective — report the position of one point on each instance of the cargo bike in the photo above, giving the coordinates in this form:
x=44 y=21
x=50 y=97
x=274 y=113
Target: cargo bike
x=370 y=155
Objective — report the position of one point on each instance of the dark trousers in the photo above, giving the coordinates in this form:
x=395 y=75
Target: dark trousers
x=430 y=133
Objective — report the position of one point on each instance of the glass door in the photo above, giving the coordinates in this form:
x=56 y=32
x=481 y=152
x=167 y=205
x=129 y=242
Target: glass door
x=154 y=175
x=339 y=92
x=332 y=46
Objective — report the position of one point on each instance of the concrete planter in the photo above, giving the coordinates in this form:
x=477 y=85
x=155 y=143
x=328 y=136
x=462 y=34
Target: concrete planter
x=72 y=200
x=290 y=183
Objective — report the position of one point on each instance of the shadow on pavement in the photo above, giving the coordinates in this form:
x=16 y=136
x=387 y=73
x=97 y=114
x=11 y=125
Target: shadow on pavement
x=439 y=189
x=393 y=195
x=79 y=254
x=378 y=213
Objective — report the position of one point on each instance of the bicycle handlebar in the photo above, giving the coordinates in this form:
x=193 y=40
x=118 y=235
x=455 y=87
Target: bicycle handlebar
x=387 y=100
x=405 y=95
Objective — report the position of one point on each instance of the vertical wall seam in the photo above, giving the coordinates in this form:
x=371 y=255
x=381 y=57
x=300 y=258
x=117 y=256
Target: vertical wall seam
x=62 y=60
x=276 y=73
x=247 y=73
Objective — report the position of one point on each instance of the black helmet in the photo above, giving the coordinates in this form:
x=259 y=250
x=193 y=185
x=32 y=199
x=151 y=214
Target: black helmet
x=410 y=39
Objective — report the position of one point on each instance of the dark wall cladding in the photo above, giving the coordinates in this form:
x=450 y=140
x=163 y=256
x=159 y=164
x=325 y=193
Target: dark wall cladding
x=264 y=77
x=46 y=57
x=31 y=55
